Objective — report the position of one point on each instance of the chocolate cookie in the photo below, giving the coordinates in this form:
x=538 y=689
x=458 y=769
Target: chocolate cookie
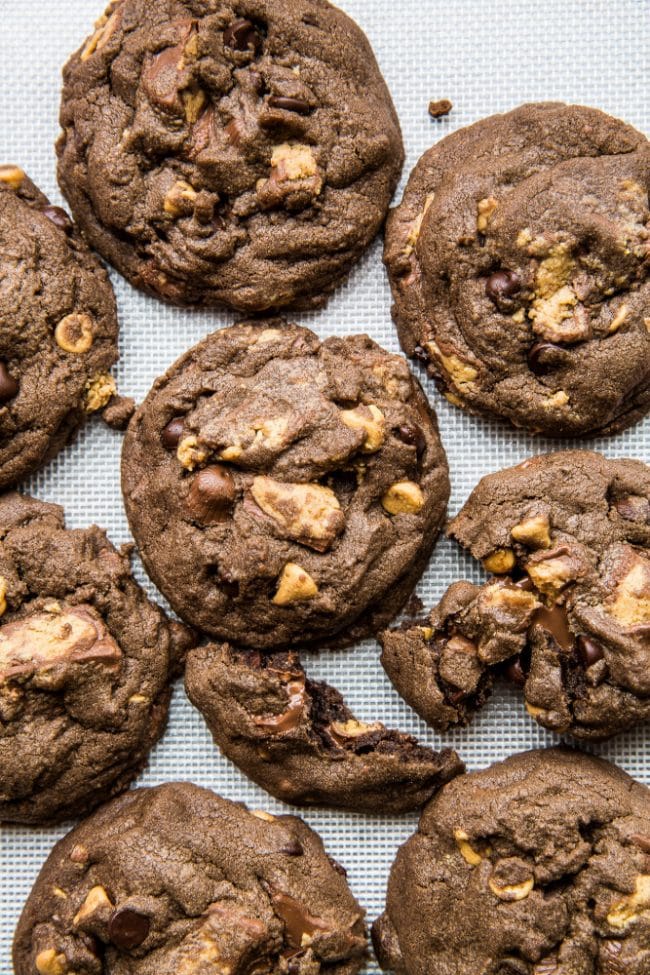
x=299 y=741
x=284 y=490
x=568 y=615
x=85 y=663
x=518 y=261
x=58 y=328
x=536 y=866
x=174 y=880
x=233 y=152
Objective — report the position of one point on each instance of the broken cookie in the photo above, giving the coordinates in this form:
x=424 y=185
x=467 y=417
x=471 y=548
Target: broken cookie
x=175 y=881
x=85 y=666
x=299 y=741
x=284 y=490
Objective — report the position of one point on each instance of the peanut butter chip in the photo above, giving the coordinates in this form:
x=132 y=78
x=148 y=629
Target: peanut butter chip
x=179 y=198
x=354 y=729
x=627 y=910
x=190 y=454
x=461 y=373
x=12 y=176
x=100 y=388
x=105 y=26
x=3 y=595
x=51 y=962
x=74 y=333
x=294 y=585
x=465 y=848
x=96 y=902
x=371 y=420
x=511 y=892
x=403 y=498
x=308 y=513
x=293 y=161
x=485 y=208
x=631 y=602
x=416 y=226
x=500 y=561
x=533 y=531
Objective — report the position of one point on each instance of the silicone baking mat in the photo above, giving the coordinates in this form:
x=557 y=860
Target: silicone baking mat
x=486 y=56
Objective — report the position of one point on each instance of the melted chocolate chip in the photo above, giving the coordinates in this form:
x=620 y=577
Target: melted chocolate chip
x=413 y=435
x=242 y=35
x=172 y=433
x=515 y=672
x=589 y=651
x=540 y=359
x=8 y=385
x=127 y=928
x=59 y=218
x=211 y=495
x=289 y=104
x=555 y=621
x=502 y=284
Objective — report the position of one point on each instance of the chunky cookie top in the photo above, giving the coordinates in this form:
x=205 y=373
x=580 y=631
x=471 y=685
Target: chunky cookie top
x=518 y=261
x=176 y=881
x=85 y=665
x=237 y=152
x=283 y=489
x=58 y=328
x=536 y=865
x=297 y=738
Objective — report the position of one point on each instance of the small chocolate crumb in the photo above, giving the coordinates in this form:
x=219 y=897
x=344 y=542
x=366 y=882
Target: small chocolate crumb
x=440 y=107
x=118 y=412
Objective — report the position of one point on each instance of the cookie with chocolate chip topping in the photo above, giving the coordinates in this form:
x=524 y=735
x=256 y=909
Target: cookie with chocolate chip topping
x=283 y=490
x=518 y=263
x=85 y=666
x=174 y=880
x=297 y=738
x=535 y=866
x=566 y=615
x=238 y=153
x=58 y=328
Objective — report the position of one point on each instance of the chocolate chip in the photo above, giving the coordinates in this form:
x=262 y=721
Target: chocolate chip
x=589 y=651
x=59 y=218
x=172 y=433
x=502 y=284
x=242 y=36
x=8 y=385
x=211 y=495
x=289 y=104
x=292 y=849
x=538 y=357
x=127 y=929
x=413 y=435
x=420 y=353
x=515 y=672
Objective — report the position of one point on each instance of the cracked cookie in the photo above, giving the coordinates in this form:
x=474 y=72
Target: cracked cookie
x=284 y=490
x=297 y=738
x=567 y=614
x=174 y=880
x=242 y=153
x=538 y=865
x=85 y=665
x=58 y=328
x=518 y=262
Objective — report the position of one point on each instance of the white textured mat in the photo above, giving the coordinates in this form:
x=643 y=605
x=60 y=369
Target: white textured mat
x=485 y=55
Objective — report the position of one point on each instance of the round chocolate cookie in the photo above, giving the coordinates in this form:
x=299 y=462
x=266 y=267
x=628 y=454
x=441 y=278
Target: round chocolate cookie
x=297 y=738
x=285 y=490
x=234 y=151
x=85 y=666
x=518 y=261
x=567 y=616
x=58 y=328
x=538 y=865
x=176 y=881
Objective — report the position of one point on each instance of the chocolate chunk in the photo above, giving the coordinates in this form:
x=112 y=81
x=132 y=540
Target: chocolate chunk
x=540 y=358
x=8 y=385
x=212 y=495
x=242 y=35
x=589 y=651
x=172 y=433
x=502 y=284
x=59 y=218
x=289 y=104
x=127 y=928
x=413 y=435
x=556 y=622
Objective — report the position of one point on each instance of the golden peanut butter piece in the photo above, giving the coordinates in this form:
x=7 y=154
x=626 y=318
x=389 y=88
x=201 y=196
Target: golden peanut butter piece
x=416 y=227
x=12 y=176
x=618 y=319
x=557 y=401
x=100 y=389
x=369 y=419
x=552 y=574
x=294 y=585
x=511 y=892
x=501 y=561
x=193 y=101
x=104 y=28
x=484 y=210
x=190 y=454
x=630 y=604
x=3 y=595
x=461 y=373
x=403 y=498
x=353 y=728
x=628 y=909
x=533 y=531
x=51 y=962
x=179 y=198
x=74 y=333
x=291 y=160
x=466 y=850
x=262 y=814
x=96 y=902
x=308 y=513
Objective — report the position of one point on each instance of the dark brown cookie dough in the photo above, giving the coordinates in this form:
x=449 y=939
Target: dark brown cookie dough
x=297 y=738
x=233 y=152
x=85 y=664
x=518 y=262
x=568 y=615
x=284 y=490
x=58 y=328
x=177 y=881
x=536 y=866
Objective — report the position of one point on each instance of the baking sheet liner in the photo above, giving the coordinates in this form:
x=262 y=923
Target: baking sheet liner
x=486 y=56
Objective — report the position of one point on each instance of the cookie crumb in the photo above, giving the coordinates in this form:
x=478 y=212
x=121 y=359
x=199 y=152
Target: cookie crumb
x=118 y=412
x=440 y=108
